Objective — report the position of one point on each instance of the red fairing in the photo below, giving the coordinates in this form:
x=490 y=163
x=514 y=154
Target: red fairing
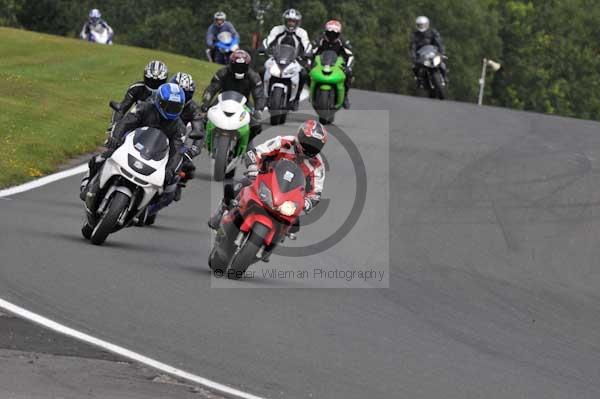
x=254 y=218
x=250 y=200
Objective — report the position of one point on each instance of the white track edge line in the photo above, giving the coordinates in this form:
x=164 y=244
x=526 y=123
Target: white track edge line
x=38 y=319
x=43 y=181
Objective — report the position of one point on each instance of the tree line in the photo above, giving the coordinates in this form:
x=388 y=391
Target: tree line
x=548 y=48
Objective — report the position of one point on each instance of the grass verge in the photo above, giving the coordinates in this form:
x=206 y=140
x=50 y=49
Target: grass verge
x=54 y=95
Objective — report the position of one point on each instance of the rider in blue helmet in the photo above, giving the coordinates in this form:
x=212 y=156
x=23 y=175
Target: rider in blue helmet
x=162 y=112
x=169 y=100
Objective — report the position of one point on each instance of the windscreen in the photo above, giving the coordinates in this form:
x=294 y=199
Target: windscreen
x=329 y=57
x=232 y=95
x=225 y=37
x=284 y=54
x=151 y=143
x=289 y=175
x=426 y=50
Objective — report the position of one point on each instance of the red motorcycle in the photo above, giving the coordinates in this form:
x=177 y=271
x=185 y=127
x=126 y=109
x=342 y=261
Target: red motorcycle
x=260 y=218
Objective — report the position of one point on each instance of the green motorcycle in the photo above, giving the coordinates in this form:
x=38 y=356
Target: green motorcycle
x=227 y=133
x=327 y=88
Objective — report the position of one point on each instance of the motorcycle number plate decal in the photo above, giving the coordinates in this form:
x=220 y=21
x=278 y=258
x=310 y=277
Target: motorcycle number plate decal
x=139 y=146
x=288 y=176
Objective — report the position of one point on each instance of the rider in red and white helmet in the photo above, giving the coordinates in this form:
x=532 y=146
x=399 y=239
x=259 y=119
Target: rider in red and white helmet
x=304 y=149
x=332 y=39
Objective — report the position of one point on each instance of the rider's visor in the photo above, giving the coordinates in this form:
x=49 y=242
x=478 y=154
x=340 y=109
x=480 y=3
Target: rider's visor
x=332 y=36
x=171 y=107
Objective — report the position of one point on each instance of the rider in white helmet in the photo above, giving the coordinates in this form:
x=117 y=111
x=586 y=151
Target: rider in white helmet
x=220 y=24
x=291 y=33
x=424 y=35
x=95 y=21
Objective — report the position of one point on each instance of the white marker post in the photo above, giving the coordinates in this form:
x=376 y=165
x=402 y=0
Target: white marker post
x=486 y=63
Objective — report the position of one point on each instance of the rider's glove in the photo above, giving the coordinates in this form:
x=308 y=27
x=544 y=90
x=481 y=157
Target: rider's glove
x=252 y=171
x=113 y=142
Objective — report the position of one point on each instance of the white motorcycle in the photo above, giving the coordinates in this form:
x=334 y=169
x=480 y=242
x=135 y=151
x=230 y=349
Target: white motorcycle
x=119 y=193
x=99 y=34
x=281 y=81
x=227 y=133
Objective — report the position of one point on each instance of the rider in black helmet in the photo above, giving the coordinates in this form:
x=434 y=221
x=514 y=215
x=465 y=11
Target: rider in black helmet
x=239 y=77
x=155 y=74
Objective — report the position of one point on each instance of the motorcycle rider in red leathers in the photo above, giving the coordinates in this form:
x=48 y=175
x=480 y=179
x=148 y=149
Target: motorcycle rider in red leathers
x=303 y=149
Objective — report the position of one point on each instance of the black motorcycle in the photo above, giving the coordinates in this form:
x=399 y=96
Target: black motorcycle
x=430 y=63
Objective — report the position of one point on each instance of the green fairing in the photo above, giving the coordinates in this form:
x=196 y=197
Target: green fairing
x=242 y=144
x=328 y=81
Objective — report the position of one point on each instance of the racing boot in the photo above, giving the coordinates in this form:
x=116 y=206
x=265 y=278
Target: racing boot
x=215 y=220
x=346 y=103
x=293 y=105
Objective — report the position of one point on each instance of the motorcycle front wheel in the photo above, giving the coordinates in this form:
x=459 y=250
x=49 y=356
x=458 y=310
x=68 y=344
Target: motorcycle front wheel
x=108 y=221
x=221 y=157
x=277 y=106
x=246 y=255
x=325 y=106
x=439 y=86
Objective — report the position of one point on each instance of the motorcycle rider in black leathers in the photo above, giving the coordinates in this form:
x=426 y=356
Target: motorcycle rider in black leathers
x=332 y=39
x=155 y=74
x=161 y=111
x=192 y=115
x=425 y=35
x=239 y=77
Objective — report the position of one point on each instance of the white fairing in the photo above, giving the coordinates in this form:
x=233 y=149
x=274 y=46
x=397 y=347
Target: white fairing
x=238 y=118
x=114 y=165
x=100 y=35
x=291 y=71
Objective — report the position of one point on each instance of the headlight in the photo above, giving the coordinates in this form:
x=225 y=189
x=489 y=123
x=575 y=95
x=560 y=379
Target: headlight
x=139 y=166
x=288 y=208
x=427 y=63
x=265 y=195
x=437 y=60
x=274 y=70
x=327 y=69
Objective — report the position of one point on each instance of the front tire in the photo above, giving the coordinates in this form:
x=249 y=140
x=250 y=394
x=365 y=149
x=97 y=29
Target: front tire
x=108 y=221
x=325 y=106
x=221 y=157
x=246 y=255
x=86 y=231
x=439 y=85
x=277 y=106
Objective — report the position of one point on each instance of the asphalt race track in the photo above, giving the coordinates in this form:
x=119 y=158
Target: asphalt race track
x=493 y=221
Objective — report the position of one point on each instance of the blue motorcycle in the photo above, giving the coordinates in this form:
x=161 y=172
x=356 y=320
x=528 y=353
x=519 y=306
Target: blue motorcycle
x=225 y=45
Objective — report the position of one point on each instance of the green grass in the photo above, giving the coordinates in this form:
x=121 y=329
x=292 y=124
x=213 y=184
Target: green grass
x=54 y=95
